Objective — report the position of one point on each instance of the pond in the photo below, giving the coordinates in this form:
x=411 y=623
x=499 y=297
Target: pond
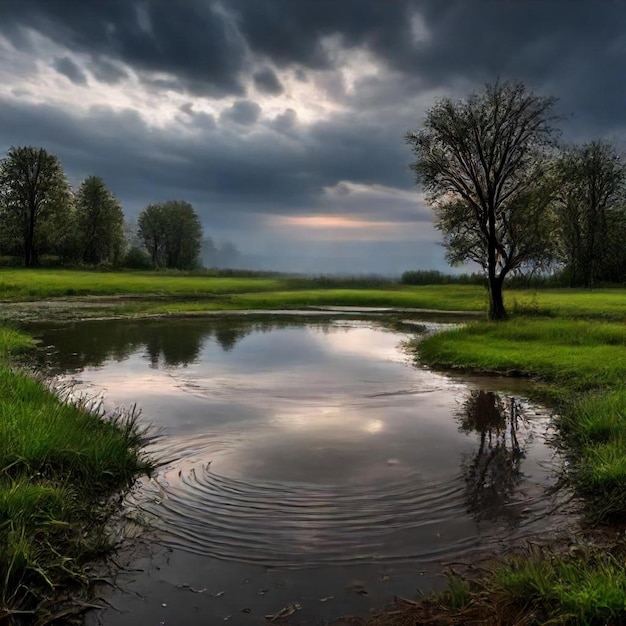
x=308 y=466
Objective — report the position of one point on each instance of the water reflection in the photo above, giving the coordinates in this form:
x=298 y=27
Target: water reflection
x=296 y=444
x=165 y=343
x=494 y=472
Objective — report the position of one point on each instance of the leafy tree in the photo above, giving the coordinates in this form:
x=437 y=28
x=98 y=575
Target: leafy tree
x=152 y=230
x=100 y=222
x=33 y=190
x=592 y=213
x=483 y=164
x=172 y=234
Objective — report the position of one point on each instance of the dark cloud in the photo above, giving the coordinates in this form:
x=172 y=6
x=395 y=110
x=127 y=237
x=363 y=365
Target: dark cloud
x=187 y=108
x=286 y=121
x=267 y=82
x=204 y=45
x=301 y=75
x=67 y=67
x=243 y=112
x=195 y=42
x=248 y=166
x=258 y=173
x=292 y=32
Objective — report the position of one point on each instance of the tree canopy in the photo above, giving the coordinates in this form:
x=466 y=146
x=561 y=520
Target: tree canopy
x=172 y=233
x=484 y=165
x=33 y=188
x=592 y=213
x=100 y=222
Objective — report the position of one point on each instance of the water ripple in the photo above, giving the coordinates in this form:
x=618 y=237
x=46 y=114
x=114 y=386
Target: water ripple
x=297 y=525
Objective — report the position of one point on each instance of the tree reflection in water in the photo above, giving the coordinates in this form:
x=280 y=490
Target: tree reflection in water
x=493 y=473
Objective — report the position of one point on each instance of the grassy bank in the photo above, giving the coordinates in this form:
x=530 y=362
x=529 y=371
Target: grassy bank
x=583 y=364
x=58 y=465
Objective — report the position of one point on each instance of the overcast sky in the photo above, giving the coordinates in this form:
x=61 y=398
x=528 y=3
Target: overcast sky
x=283 y=121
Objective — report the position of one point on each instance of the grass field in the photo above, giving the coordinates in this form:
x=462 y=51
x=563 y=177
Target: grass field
x=576 y=354
x=180 y=292
x=28 y=284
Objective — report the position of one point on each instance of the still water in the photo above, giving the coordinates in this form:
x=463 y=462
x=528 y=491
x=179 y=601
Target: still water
x=306 y=465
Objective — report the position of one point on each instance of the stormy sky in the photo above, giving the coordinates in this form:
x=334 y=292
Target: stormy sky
x=283 y=121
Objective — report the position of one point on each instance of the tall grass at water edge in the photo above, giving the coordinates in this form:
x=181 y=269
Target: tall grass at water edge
x=59 y=462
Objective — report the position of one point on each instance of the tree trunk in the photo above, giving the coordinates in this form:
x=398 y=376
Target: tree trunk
x=29 y=243
x=496 y=303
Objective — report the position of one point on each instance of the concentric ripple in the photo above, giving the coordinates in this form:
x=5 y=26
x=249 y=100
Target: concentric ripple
x=284 y=524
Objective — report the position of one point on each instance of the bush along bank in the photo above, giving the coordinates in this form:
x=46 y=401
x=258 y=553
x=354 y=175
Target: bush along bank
x=583 y=367
x=59 y=465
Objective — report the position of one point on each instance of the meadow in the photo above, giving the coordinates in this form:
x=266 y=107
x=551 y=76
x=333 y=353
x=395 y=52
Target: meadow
x=176 y=292
x=572 y=340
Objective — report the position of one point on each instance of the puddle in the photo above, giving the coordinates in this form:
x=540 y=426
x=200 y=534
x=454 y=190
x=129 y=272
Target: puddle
x=306 y=463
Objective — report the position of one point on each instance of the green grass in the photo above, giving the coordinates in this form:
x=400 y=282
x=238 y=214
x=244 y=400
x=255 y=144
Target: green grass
x=42 y=435
x=58 y=463
x=577 y=354
x=537 y=590
x=27 y=284
x=443 y=298
x=13 y=341
x=607 y=304
x=221 y=293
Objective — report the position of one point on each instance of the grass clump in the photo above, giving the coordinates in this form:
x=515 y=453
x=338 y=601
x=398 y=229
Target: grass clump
x=59 y=463
x=533 y=588
x=595 y=418
x=547 y=589
x=13 y=341
x=43 y=435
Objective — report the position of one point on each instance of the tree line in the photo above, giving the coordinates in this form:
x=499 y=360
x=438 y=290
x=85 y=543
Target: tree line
x=44 y=221
x=507 y=196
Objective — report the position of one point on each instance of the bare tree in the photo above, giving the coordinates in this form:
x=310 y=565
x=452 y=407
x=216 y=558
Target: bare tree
x=483 y=163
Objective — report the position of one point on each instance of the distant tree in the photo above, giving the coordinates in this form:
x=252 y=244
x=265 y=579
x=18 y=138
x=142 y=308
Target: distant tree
x=183 y=236
x=100 y=222
x=172 y=234
x=33 y=189
x=152 y=230
x=483 y=164
x=592 y=213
